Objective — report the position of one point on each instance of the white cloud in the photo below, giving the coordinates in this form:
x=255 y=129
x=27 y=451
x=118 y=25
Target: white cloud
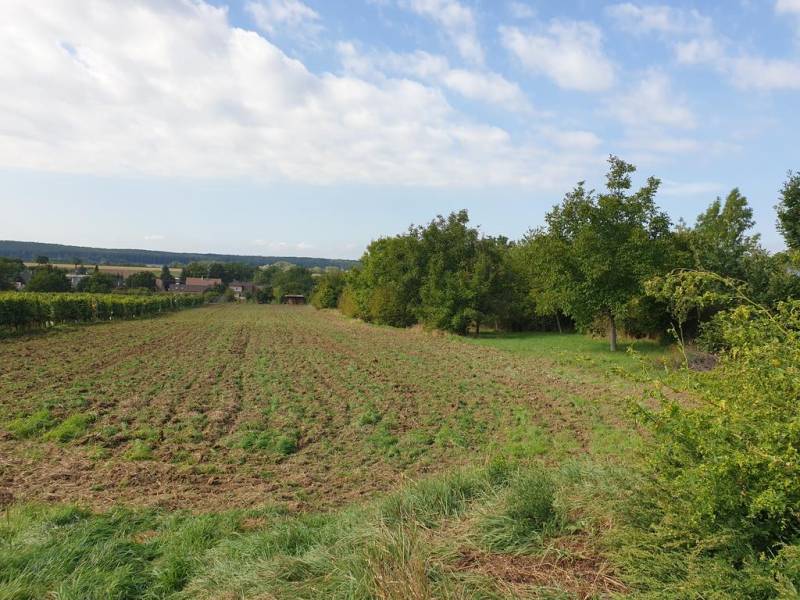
x=480 y=85
x=745 y=71
x=700 y=50
x=787 y=6
x=155 y=237
x=579 y=140
x=284 y=15
x=568 y=52
x=697 y=43
x=488 y=87
x=651 y=112
x=652 y=102
x=643 y=20
x=792 y=8
x=172 y=89
x=457 y=21
x=753 y=72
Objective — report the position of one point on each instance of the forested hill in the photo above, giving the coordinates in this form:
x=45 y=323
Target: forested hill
x=28 y=251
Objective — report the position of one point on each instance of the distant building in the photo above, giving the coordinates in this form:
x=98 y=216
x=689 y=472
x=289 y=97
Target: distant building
x=296 y=299
x=241 y=289
x=197 y=285
x=76 y=278
x=23 y=279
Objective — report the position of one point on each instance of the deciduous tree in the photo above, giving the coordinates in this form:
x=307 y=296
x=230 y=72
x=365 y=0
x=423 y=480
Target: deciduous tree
x=167 y=279
x=602 y=247
x=10 y=270
x=48 y=279
x=789 y=211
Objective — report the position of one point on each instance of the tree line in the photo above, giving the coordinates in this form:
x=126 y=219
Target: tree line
x=273 y=282
x=59 y=253
x=588 y=267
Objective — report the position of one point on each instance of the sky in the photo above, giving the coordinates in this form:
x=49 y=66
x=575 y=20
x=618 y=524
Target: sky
x=289 y=127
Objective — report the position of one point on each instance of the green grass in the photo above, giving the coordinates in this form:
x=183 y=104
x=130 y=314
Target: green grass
x=407 y=545
x=579 y=350
x=70 y=428
x=25 y=427
x=139 y=450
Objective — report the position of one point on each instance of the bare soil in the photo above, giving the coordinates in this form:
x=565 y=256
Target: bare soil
x=241 y=405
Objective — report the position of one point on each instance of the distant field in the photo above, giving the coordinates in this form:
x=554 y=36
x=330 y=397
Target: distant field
x=114 y=270
x=264 y=421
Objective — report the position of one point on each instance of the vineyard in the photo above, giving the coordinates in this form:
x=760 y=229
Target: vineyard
x=20 y=311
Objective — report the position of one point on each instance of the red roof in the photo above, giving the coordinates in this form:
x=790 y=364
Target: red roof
x=202 y=282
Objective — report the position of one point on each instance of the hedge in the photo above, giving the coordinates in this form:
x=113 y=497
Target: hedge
x=31 y=310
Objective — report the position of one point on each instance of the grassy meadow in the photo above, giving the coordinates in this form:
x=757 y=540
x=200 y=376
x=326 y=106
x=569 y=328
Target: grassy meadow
x=248 y=451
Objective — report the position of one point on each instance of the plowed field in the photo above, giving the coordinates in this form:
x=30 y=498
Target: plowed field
x=241 y=405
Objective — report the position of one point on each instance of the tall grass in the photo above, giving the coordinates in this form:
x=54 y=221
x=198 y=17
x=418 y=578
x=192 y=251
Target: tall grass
x=402 y=546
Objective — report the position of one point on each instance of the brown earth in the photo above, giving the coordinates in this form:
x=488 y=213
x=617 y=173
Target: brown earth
x=241 y=405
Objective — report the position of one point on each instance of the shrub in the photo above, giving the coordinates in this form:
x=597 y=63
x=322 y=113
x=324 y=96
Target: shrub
x=329 y=290
x=725 y=471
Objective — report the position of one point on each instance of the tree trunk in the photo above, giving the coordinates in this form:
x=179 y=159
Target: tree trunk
x=558 y=322
x=477 y=329
x=613 y=334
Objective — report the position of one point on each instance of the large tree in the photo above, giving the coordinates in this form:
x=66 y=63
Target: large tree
x=98 y=283
x=490 y=285
x=719 y=240
x=167 y=279
x=449 y=248
x=789 y=211
x=10 y=270
x=141 y=280
x=294 y=280
x=386 y=288
x=329 y=289
x=48 y=279
x=542 y=278
x=601 y=247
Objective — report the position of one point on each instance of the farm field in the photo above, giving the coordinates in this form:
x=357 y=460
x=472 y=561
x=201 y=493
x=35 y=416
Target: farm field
x=122 y=271
x=174 y=437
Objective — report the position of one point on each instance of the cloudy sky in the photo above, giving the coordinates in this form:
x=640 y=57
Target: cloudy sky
x=310 y=127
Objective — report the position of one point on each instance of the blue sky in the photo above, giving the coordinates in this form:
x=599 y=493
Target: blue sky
x=287 y=127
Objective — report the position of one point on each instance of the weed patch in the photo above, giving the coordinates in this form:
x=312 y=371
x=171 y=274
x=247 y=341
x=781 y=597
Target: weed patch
x=34 y=423
x=70 y=428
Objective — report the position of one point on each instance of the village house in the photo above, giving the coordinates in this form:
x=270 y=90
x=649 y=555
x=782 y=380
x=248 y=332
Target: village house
x=242 y=289
x=22 y=280
x=197 y=285
x=75 y=278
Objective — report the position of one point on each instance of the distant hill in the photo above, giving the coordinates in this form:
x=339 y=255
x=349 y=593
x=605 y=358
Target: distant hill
x=28 y=251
